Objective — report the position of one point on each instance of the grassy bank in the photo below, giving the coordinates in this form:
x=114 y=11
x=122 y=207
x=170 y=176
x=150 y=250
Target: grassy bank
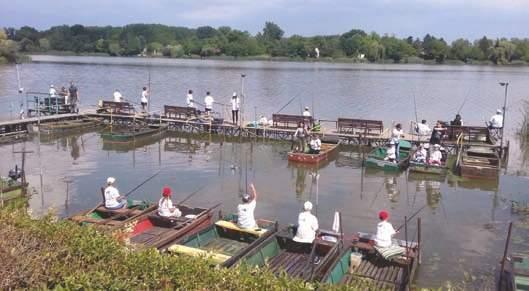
x=55 y=254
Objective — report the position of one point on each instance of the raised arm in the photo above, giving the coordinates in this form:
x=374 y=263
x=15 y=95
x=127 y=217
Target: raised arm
x=253 y=192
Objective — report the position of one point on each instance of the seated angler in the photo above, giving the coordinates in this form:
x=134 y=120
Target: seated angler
x=384 y=237
x=436 y=156
x=315 y=145
x=113 y=200
x=165 y=205
x=307 y=225
x=420 y=154
x=496 y=121
x=245 y=210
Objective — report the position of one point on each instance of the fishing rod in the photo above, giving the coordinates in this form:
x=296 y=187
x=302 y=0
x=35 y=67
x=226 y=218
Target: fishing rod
x=409 y=218
x=464 y=101
x=191 y=195
x=416 y=118
x=143 y=183
x=290 y=101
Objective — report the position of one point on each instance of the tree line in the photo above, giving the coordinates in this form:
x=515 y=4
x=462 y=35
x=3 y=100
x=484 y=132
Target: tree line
x=206 y=41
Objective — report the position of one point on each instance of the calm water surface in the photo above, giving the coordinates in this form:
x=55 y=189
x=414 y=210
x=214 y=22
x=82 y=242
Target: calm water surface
x=464 y=223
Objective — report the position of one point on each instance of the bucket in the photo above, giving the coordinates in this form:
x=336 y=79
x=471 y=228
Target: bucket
x=355 y=260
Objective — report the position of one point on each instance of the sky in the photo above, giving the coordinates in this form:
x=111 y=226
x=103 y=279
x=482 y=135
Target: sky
x=450 y=19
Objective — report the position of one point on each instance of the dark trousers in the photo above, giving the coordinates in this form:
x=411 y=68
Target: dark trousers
x=397 y=151
x=235 y=116
x=143 y=106
x=314 y=152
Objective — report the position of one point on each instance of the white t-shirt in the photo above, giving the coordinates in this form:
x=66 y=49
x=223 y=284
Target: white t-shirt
x=436 y=155
x=307 y=226
x=164 y=208
x=396 y=134
x=144 y=95
x=306 y=113
x=53 y=92
x=391 y=153
x=315 y=144
x=385 y=232
x=111 y=197
x=117 y=96
x=263 y=121
x=421 y=153
x=423 y=129
x=189 y=100
x=208 y=101
x=235 y=103
x=245 y=213
x=496 y=121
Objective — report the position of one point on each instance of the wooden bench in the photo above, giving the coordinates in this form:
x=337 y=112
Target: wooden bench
x=115 y=107
x=179 y=112
x=470 y=133
x=360 y=126
x=290 y=121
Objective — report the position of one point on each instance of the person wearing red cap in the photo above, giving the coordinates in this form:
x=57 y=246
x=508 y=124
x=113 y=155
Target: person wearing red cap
x=385 y=231
x=165 y=205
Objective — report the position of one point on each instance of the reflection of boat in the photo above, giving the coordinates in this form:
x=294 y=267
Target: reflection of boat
x=427 y=168
x=224 y=241
x=10 y=189
x=180 y=144
x=369 y=270
x=326 y=150
x=479 y=163
x=135 y=143
x=153 y=230
x=107 y=218
x=126 y=134
x=282 y=254
x=65 y=126
x=375 y=158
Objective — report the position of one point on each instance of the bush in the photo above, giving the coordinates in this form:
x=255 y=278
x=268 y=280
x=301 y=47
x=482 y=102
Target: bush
x=50 y=253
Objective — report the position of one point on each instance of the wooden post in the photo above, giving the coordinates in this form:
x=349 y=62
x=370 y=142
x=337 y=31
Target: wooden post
x=505 y=254
x=419 y=247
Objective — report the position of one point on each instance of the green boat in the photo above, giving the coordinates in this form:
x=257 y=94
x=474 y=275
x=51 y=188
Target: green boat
x=298 y=260
x=67 y=126
x=223 y=241
x=375 y=158
x=361 y=267
x=123 y=134
x=10 y=189
x=516 y=274
x=424 y=168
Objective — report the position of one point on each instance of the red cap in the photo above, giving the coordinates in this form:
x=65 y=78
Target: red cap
x=383 y=215
x=166 y=192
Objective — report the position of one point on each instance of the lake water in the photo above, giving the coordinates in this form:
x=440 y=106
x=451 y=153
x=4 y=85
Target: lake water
x=464 y=223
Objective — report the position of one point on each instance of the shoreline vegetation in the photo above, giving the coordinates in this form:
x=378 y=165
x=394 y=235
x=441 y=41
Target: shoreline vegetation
x=271 y=44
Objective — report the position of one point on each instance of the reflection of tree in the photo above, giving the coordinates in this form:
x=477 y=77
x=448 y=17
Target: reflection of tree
x=433 y=193
x=392 y=188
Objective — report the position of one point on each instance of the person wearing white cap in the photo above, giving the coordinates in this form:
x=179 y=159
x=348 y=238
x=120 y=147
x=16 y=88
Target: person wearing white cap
x=245 y=210
x=208 y=102
x=117 y=96
x=496 y=121
x=112 y=198
x=307 y=225
x=420 y=154
x=53 y=92
x=306 y=113
x=189 y=99
x=436 y=156
x=235 y=102
x=391 y=152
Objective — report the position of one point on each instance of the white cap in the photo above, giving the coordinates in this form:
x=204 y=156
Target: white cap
x=426 y=145
x=51 y=86
x=498 y=111
x=391 y=142
x=307 y=206
x=436 y=145
x=111 y=180
x=234 y=94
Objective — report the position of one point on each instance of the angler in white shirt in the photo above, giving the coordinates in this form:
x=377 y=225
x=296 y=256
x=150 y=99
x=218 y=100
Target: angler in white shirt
x=396 y=134
x=436 y=156
x=189 y=99
x=496 y=121
x=306 y=112
x=420 y=154
x=53 y=92
x=299 y=135
x=165 y=205
x=144 y=98
x=385 y=231
x=112 y=198
x=208 y=102
x=307 y=225
x=117 y=96
x=315 y=144
x=245 y=210
x=423 y=128
x=235 y=108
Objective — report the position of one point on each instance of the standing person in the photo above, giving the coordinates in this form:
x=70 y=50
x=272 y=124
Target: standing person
x=391 y=152
x=245 y=210
x=396 y=134
x=113 y=200
x=144 y=99
x=315 y=145
x=208 y=102
x=299 y=135
x=306 y=112
x=53 y=92
x=496 y=121
x=165 y=205
x=457 y=121
x=64 y=93
x=437 y=133
x=117 y=96
x=74 y=97
x=21 y=113
x=189 y=99
x=423 y=128
x=307 y=225
x=235 y=103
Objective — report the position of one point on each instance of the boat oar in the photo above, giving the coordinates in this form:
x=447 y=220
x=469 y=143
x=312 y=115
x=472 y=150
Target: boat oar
x=414 y=214
x=191 y=195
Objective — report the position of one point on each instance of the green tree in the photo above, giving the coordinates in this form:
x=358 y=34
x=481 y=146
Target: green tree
x=272 y=31
x=8 y=48
x=204 y=32
x=44 y=44
x=114 y=48
x=461 y=50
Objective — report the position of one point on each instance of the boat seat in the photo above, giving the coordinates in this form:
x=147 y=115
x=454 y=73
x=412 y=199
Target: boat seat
x=162 y=221
x=233 y=226
x=190 y=251
x=113 y=212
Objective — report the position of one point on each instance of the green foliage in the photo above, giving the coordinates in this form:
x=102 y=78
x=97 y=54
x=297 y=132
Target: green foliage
x=207 y=41
x=8 y=48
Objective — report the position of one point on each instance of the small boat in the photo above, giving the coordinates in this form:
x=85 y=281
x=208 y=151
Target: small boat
x=326 y=150
x=223 y=241
x=111 y=219
x=10 y=189
x=69 y=125
x=375 y=158
x=359 y=266
x=120 y=134
x=153 y=230
x=515 y=276
x=478 y=162
x=299 y=260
